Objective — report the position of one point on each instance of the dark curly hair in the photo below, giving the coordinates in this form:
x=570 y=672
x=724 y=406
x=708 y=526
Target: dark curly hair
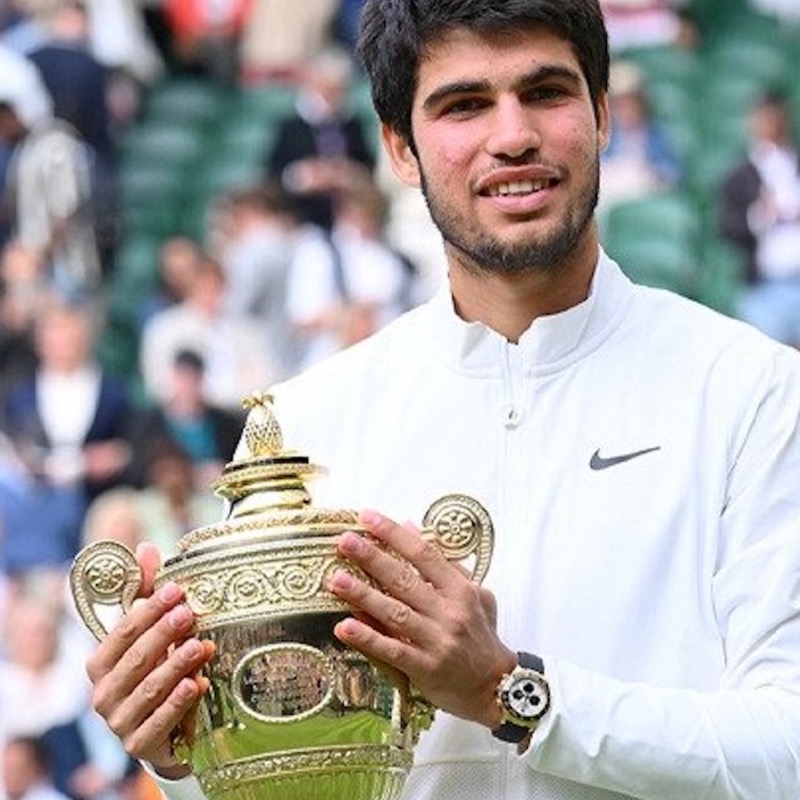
x=393 y=35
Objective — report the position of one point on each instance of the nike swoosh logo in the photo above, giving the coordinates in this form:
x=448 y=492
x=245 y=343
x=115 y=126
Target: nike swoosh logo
x=599 y=462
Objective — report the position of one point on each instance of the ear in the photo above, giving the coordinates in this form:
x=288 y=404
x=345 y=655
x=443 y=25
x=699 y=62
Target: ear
x=603 y=121
x=401 y=157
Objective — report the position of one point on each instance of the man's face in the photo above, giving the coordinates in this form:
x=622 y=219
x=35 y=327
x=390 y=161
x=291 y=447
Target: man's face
x=507 y=149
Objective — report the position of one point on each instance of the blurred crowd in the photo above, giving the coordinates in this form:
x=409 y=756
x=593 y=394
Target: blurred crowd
x=317 y=250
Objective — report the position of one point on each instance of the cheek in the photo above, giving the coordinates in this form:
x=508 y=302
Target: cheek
x=447 y=158
x=575 y=134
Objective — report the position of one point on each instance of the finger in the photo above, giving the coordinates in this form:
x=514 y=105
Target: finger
x=152 y=741
x=380 y=612
x=426 y=557
x=396 y=577
x=142 y=636
x=397 y=656
x=160 y=701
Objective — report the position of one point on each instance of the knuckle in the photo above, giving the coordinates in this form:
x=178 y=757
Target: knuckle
x=150 y=689
x=399 y=614
x=114 y=724
x=406 y=580
x=458 y=621
x=134 y=746
x=100 y=703
x=137 y=658
x=92 y=667
x=425 y=552
x=126 y=630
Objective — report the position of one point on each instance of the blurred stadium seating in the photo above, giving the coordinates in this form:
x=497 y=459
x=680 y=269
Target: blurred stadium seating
x=196 y=139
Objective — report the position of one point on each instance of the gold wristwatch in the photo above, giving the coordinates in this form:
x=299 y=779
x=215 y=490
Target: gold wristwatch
x=524 y=697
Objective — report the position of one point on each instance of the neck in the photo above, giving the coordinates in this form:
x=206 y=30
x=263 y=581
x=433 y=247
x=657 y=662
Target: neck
x=509 y=303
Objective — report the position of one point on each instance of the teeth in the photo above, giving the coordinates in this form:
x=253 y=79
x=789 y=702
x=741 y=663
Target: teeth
x=517 y=188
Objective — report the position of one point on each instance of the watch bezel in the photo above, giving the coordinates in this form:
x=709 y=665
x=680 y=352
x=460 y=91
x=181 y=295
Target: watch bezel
x=514 y=727
x=518 y=675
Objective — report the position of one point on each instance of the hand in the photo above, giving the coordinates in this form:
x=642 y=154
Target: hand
x=146 y=671
x=431 y=621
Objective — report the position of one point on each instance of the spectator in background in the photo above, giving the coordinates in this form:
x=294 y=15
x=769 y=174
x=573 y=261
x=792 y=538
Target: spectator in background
x=258 y=229
x=49 y=183
x=114 y=515
x=172 y=502
x=759 y=214
x=323 y=147
x=27 y=771
x=178 y=259
x=41 y=661
x=120 y=40
x=80 y=90
x=76 y=81
x=24 y=86
x=232 y=347
x=70 y=423
x=346 y=285
x=639 y=159
x=645 y=23
x=205 y=35
x=280 y=36
x=22 y=293
x=207 y=435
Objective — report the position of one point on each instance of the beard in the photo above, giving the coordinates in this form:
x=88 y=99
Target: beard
x=488 y=253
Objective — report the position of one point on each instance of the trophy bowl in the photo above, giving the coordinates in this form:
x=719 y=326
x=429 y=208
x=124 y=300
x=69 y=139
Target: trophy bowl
x=291 y=713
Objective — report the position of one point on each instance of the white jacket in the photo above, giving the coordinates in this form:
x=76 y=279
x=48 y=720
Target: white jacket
x=662 y=591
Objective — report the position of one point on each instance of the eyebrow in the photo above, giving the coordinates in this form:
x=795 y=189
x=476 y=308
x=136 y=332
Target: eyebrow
x=525 y=81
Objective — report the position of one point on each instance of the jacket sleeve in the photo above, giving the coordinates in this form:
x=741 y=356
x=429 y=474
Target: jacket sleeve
x=740 y=740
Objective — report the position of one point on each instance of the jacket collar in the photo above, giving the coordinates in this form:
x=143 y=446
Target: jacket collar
x=551 y=342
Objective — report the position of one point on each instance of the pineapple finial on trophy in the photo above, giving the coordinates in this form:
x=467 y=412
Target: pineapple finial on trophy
x=262 y=433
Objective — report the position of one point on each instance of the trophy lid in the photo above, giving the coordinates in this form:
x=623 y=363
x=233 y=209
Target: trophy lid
x=265 y=485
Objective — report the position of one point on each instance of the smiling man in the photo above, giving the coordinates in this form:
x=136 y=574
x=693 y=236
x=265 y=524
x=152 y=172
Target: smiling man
x=638 y=633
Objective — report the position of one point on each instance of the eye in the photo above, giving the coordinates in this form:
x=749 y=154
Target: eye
x=546 y=94
x=463 y=106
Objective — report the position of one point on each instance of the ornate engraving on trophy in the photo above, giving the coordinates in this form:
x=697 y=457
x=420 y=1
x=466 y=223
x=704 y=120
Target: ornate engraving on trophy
x=461 y=527
x=283 y=682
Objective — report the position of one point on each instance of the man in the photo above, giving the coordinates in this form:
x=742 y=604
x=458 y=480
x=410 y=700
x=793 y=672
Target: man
x=759 y=214
x=27 y=770
x=322 y=147
x=69 y=420
x=256 y=250
x=23 y=85
x=47 y=196
x=637 y=453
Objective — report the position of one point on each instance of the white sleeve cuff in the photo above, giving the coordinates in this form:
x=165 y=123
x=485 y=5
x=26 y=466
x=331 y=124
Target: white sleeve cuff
x=182 y=789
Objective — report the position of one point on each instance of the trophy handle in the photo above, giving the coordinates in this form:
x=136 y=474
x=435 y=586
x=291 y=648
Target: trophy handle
x=461 y=528
x=104 y=573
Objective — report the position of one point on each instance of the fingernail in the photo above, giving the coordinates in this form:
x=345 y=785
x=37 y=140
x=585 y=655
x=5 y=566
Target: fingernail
x=341 y=580
x=178 y=617
x=351 y=544
x=370 y=518
x=170 y=592
x=192 y=648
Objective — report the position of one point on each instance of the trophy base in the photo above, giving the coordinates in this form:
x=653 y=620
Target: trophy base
x=350 y=772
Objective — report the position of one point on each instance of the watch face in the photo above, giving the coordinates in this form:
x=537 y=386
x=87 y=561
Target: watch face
x=527 y=696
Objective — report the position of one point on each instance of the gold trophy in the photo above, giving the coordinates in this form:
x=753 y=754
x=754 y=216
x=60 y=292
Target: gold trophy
x=291 y=712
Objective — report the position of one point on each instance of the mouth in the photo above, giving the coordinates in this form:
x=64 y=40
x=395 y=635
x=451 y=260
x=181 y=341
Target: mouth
x=520 y=188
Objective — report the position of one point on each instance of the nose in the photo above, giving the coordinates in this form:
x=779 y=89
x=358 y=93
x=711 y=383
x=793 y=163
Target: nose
x=514 y=129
